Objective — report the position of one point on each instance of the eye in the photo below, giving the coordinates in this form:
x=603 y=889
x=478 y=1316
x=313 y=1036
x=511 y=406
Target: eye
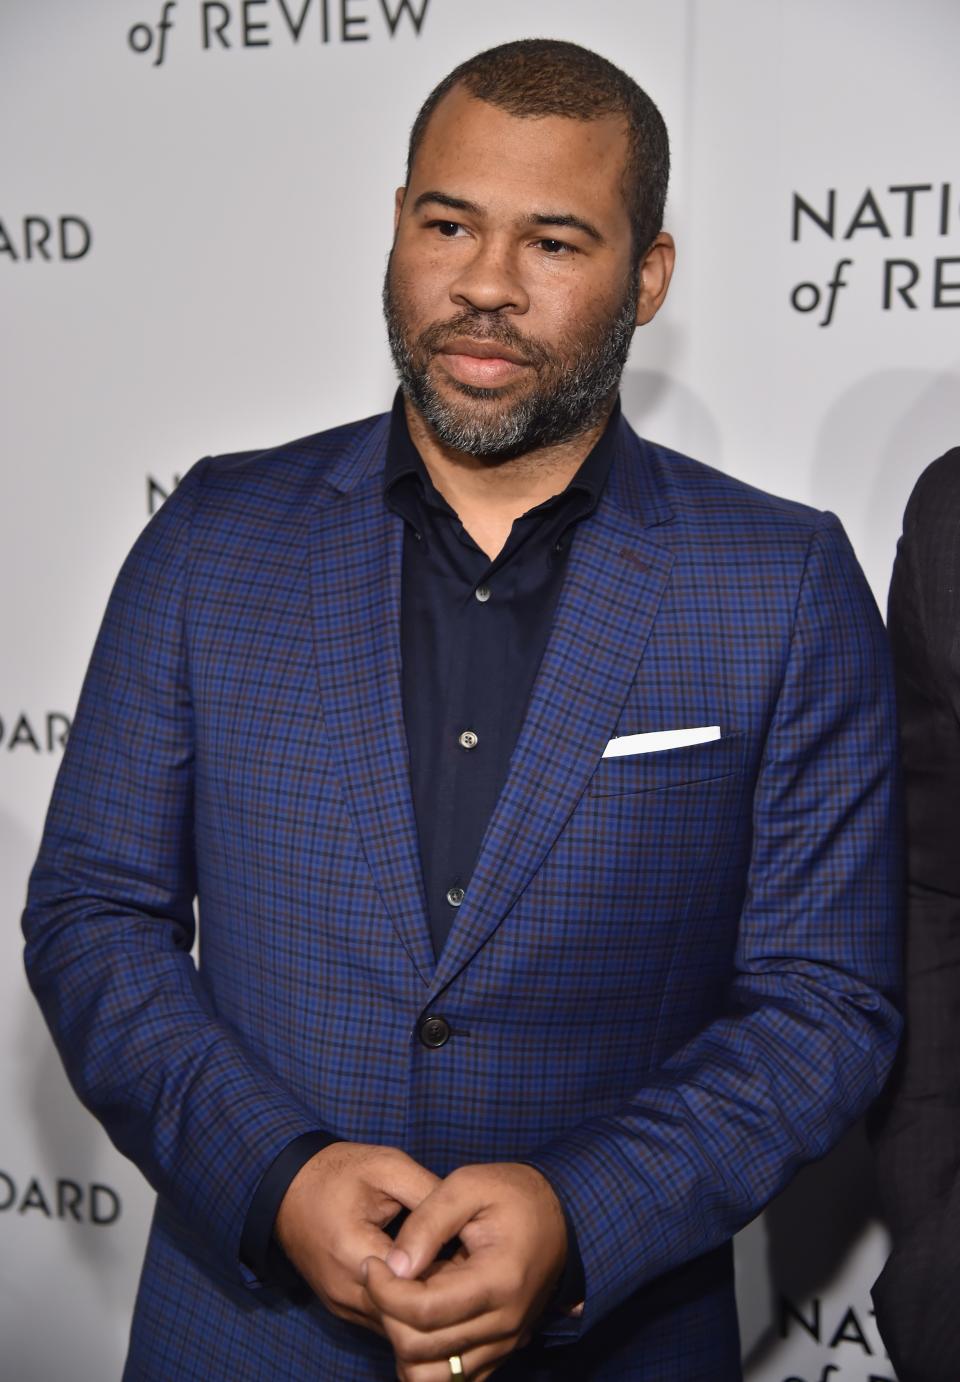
x=556 y=247
x=448 y=229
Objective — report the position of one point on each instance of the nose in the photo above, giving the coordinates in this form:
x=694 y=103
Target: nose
x=491 y=281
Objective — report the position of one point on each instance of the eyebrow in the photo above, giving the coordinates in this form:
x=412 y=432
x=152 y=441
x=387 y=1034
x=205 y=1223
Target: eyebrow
x=442 y=199
x=569 y=221
x=544 y=218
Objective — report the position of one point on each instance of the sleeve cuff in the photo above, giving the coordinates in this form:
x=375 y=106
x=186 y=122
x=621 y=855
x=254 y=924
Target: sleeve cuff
x=571 y=1288
x=258 y=1249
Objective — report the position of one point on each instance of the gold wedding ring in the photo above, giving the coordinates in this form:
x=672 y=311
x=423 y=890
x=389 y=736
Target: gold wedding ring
x=456 y=1365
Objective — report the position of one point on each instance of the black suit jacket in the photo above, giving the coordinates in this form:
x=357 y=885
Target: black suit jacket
x=917 y=1130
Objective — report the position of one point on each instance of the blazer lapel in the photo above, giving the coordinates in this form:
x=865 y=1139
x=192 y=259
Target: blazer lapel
x=356 y=558
x=615 y=580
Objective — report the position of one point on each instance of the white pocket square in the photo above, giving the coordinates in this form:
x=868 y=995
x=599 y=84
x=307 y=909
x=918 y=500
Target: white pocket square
x=660 y=739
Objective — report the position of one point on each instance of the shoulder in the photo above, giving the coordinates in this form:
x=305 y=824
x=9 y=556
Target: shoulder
x=701 y=494
x=760 y=567
x=295 y=470
x=245 y=501
x=245 y=492
x=751 y=553
x=717 y=520
x=934 y=502
x=925 y=590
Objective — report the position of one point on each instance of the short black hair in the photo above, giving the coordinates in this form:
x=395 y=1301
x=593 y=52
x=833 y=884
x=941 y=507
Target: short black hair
x=544 y=76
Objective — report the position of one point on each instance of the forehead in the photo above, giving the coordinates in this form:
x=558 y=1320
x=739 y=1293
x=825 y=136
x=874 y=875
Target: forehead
x=481 y=152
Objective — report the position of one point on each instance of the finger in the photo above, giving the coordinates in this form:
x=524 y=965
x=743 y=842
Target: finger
x=445 y=1298
x=437 y=1219
x=404 y=1179
x=349 y=1301
x=366 y=1321
x=457 y=1258
x=344 y=1291
x=364 y=1241
x=489 y=1331
x=477 y=1364
x=416 y=1345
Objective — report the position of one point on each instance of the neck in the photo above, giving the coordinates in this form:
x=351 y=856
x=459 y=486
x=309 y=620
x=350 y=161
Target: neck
x=488 y=498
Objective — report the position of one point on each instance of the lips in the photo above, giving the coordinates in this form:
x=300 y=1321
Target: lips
x=481 y=364
x=481 y=371
x=466 y=346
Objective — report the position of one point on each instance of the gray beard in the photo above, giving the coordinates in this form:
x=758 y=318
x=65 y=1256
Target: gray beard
x=569 y=399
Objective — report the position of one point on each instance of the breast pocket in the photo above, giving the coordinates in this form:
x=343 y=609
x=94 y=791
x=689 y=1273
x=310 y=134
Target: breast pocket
x=653 y=772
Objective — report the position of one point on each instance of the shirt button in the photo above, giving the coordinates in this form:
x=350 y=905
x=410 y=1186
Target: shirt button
x=468 y=739
x=434 y=1032
x=455 y=896
x=482 y=593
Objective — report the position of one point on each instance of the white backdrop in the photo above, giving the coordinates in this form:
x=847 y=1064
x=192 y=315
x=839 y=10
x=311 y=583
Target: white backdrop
x=193 y=228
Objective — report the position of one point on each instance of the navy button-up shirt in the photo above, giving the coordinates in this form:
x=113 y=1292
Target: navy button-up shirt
x=473 y=632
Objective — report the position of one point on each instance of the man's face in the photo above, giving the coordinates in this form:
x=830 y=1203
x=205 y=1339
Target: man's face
x=511 y=295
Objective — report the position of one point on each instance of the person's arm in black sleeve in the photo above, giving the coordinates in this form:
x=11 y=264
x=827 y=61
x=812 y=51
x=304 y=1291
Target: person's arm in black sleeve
x=916 y=1128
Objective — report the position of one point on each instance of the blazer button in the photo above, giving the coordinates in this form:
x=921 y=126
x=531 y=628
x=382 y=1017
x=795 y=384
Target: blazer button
x=434 y=1032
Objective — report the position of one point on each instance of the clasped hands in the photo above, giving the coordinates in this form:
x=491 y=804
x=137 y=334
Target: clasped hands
x=481 y=1303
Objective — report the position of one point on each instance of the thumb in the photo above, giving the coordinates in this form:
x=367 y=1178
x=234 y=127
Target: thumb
x=406 y=1181
x=436 y=1220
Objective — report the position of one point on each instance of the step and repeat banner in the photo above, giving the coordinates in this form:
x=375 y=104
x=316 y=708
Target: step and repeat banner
x=195 y=211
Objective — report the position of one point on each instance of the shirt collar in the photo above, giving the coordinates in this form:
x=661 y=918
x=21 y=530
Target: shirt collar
x=403 y=460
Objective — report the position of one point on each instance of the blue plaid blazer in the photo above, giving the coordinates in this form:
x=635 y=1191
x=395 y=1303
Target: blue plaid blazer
x=670 y=982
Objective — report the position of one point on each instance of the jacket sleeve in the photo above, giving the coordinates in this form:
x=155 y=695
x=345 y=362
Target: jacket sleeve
x=916 y=1128
x=109 y=922
x=809 y=1026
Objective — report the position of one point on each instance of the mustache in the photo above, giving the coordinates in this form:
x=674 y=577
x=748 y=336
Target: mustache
x=487 y=329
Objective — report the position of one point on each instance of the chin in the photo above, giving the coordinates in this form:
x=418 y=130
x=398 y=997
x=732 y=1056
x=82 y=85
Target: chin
x=454 y=391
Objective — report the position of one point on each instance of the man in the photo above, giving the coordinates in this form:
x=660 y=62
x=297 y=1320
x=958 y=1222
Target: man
x=535 y=783
x=918 y=1128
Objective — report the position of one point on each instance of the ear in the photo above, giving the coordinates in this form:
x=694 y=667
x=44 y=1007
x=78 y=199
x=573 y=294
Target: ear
x=398 y=206
x=655 y=274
